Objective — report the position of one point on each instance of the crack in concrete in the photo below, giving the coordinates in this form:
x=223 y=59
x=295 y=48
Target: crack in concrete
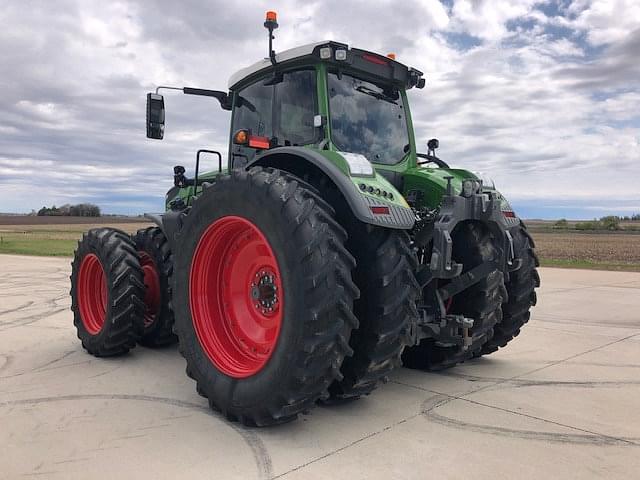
x=349 y=445
x=587 y=437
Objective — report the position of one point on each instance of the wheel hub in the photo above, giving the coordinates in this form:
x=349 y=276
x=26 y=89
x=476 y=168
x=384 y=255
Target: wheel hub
x=264 y=292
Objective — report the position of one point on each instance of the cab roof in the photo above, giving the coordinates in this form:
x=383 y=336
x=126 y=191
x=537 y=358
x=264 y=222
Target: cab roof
x=281 y=57
x=368 y=63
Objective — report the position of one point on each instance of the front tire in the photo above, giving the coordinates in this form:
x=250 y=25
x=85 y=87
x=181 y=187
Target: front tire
x=521 y=289
x=472 y=245
x=263 y=296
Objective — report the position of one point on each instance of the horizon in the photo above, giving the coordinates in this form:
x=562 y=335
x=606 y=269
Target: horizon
x=524 y=212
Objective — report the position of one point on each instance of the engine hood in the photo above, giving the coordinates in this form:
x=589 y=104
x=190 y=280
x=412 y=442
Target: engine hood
x=433 y=182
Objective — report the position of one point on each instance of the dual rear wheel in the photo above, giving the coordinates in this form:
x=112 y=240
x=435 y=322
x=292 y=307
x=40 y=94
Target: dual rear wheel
x=120 y=291
x=107 y=292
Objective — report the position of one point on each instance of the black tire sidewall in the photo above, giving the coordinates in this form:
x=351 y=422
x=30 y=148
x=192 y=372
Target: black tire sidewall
x=88 y=247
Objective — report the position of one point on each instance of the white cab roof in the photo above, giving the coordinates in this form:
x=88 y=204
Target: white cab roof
x=280 y=57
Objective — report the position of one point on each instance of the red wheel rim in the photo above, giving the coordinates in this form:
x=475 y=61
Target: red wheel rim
x=92 y=294
x=152 y=290
x=236 y=296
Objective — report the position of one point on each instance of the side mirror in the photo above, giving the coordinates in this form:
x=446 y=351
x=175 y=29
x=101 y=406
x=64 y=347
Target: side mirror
x=155 y=116
x=433 y=144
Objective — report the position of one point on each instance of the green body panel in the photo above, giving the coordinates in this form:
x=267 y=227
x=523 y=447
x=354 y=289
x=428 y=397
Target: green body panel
x=416 y=177
x=377 y=181
x=433 y=183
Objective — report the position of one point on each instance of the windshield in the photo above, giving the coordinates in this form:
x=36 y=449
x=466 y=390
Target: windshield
x=367 y=119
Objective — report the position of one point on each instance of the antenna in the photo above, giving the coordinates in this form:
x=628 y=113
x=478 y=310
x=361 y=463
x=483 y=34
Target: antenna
x=271 y=23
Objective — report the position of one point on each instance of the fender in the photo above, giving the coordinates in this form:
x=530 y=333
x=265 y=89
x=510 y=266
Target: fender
x=399 y=217
x=170 y=223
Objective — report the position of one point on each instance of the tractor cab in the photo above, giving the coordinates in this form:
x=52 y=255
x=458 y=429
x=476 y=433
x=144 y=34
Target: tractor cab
x=325 y=96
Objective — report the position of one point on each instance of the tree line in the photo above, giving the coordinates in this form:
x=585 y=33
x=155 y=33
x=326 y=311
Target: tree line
x=79 y=210
x=610 y=222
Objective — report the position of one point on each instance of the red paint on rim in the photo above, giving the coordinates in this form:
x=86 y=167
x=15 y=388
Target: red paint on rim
x=92 y=294
x=152 y=290
x=235 y=295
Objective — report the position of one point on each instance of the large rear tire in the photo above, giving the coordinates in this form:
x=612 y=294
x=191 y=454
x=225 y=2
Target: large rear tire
x=263 y=296
x=157 y=266
x=386 y=309
x=107 y=292
x=521 y=289
x=472 y=245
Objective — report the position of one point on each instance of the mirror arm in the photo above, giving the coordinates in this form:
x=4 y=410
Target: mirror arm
x=166 y=88
x=222 y=97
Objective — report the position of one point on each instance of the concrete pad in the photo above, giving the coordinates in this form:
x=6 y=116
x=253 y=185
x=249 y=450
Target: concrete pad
x=560 y=401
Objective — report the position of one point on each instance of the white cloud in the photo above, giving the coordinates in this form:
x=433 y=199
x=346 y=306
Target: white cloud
x=487 y=19
x=607 y=21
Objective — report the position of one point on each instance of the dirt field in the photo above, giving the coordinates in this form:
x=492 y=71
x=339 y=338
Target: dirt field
x=573 y=249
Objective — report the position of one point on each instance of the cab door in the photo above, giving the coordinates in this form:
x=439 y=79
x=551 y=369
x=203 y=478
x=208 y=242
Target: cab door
x=282 y=111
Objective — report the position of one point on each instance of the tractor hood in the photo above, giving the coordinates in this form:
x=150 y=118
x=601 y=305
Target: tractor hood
x=433 y=182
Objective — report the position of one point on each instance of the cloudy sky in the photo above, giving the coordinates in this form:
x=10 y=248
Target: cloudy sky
x=542 y=96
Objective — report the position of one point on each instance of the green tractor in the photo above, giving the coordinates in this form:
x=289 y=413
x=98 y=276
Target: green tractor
x=326 y=253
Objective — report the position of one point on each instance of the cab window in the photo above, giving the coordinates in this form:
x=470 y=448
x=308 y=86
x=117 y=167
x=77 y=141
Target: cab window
x=282 y=112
